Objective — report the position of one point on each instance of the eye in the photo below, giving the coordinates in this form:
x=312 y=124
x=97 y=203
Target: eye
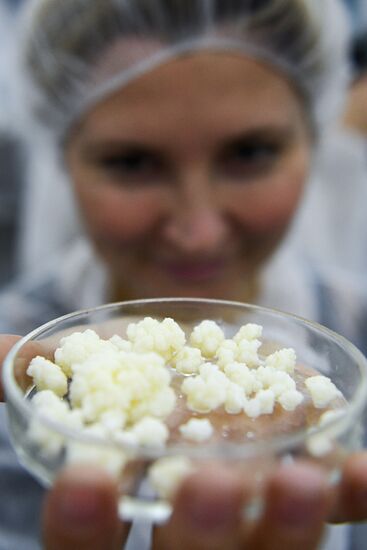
x=243 y=159
x=132 y=166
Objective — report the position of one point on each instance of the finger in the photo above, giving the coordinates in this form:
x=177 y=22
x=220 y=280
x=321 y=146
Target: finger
x=352 y=495
x=207 y=513
x=297 y=505
x=7 y=341
x=80 y=512
x=25 y=354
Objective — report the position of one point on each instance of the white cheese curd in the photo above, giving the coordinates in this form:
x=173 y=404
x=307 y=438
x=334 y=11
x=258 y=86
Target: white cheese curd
x=137 y=384
x=252 y=407
x=111 y=460
x=226 y=353
x=282 y=383
x=125 y=437
x=94 y=387
x=124 y=390
x=48 y=376
x=284 y=360
x=322 y=390
x=166 y=474
x=51 y=407
x=207 y=336
x=248 y=353
x=240 y=374
x=235 y=398
x=266 y=399
x=47 y=401
x=321 y=444
x=77 y=347
x=197 y=429
x=278 y=381
x=49 y=442
x=150 y=432
x=290 y=399
x=120 y=343
x=161 y=404
x=330 y=416
x=203 y=396
x=251 y=331
x=265 y=376
x=188 y=360
x=164 y=337
x=209 y=371
x=113 y=420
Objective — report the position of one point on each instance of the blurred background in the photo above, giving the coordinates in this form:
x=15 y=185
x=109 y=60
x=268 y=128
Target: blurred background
x=30 y=234
x=11 y=162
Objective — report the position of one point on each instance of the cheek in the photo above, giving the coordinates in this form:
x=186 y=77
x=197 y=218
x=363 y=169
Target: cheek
x=271 y=204
x=118 y=214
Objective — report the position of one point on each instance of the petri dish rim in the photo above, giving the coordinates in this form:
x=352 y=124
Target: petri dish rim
x=227 y=450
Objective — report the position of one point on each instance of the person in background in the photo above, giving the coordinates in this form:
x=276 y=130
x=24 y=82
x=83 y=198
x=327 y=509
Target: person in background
x=187 y=131
x=355 y=114
x=331 y=224
x=357 y=10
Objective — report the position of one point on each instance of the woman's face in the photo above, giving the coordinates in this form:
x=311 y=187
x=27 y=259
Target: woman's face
x=188 y=177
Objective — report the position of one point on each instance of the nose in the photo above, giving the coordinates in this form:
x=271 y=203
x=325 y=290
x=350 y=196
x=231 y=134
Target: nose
x=197 y=223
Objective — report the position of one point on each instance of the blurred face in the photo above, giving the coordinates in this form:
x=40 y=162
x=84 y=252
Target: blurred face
x=188 y=177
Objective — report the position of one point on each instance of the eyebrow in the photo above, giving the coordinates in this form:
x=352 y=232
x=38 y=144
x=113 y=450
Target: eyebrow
x=92 y=147
x=108 y=147
x=267 y=132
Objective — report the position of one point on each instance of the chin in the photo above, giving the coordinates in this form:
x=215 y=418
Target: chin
x=232 y=291
x=235 y=286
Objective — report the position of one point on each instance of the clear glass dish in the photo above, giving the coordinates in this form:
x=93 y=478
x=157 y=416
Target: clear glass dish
x=254 y=454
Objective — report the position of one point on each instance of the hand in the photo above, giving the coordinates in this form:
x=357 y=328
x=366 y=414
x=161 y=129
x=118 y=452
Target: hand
x=7 y=341
x=207 y=512
x=81 y=510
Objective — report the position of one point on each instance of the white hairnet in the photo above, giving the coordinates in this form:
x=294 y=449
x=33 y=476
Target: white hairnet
x=75 y=52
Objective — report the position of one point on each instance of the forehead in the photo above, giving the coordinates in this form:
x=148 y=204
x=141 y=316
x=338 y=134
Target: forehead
x=212 y=90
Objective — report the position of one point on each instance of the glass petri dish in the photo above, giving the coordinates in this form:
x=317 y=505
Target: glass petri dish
x=253 y=446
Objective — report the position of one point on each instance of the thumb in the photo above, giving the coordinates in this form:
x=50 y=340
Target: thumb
x=7 y=341
x=80 y=512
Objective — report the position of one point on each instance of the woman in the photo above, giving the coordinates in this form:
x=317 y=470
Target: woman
x=187 y=130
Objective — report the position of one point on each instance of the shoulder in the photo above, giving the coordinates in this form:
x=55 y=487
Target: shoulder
x=342 y=300
x=30 y=302
x=71 y=279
